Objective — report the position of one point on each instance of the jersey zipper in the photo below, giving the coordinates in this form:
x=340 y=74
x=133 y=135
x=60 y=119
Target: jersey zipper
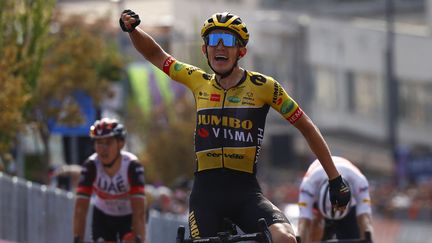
x=222 y=115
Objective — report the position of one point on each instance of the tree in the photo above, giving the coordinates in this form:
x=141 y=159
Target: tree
x=45 y=61
x=24 y=26
x=168 y=152
x=79 y=59
x=12 y=99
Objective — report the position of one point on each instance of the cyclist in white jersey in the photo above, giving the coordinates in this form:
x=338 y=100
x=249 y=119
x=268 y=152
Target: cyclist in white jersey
x=116 y=179
x=317 y=219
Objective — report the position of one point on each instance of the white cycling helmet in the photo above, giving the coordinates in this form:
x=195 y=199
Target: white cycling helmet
x=325 y=206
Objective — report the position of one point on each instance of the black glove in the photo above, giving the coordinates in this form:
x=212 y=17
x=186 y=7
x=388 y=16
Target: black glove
x=137 y=239
x=134 y=25
x=368 y=237
x=340 y=194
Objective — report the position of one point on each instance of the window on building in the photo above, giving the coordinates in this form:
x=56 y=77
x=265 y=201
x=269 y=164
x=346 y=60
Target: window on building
x=326 y=88
x=415 y=102
x=368 y=94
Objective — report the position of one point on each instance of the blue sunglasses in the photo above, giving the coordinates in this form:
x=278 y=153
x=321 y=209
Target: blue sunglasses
x=228 y=40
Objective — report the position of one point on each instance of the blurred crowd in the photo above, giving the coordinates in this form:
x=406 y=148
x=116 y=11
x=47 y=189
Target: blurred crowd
x=411 y=202
x=169 y=200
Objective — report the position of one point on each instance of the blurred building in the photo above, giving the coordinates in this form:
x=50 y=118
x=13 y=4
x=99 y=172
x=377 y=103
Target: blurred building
x=330 y=55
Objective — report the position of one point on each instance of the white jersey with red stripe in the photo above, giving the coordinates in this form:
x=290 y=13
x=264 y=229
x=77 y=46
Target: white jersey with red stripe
x=315 y=177
x=112 y=193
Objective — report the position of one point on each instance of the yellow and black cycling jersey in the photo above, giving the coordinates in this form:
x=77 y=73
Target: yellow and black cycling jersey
x=230 y=123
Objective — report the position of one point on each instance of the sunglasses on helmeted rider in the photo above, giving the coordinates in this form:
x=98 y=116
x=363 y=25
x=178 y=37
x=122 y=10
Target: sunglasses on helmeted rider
x=228 y=40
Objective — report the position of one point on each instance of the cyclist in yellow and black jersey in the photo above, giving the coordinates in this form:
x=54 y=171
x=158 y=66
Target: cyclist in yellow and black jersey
x=230 y=122
x=232 y=105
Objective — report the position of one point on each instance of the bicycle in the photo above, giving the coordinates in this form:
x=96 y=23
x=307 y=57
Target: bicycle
x=230 y=235
x=367 y=239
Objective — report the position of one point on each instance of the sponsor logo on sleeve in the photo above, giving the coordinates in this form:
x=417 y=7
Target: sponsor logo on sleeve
x=287 y=106
x=279 y=101
x=178 y=66
x=277 y=93
x=191 y=69
x=276 y=88
x=167 y=64
x=295 y=116
x=207 y=76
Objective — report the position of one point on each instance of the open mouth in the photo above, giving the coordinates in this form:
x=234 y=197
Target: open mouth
x=221 y=58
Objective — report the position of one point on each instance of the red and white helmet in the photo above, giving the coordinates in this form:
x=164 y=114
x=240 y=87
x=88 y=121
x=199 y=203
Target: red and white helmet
x=107 y=127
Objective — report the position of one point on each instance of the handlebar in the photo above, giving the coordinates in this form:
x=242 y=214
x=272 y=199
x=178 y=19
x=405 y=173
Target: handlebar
x=263 y=236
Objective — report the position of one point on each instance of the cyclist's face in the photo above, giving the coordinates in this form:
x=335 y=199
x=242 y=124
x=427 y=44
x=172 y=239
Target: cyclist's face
x=107 y=149
x=220 y=56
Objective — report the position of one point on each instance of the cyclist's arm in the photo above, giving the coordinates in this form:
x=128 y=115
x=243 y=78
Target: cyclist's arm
x=360 y=186
x=83 y=194
x=304 y=224
x=80 y=215
x=148 y=47
x=138 y=217
x=137 y=199
x=289 y=109
x=364 y=221
x=317 y=144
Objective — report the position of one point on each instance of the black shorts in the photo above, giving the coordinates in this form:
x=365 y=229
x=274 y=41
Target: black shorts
x=346 y=228
x=110 y=228
x=221 y=193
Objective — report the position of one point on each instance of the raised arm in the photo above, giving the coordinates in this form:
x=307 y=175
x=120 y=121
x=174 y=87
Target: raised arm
x=142 y=41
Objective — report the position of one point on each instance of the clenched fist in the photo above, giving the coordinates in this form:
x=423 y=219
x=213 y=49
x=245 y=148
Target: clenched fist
x=129 y=20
